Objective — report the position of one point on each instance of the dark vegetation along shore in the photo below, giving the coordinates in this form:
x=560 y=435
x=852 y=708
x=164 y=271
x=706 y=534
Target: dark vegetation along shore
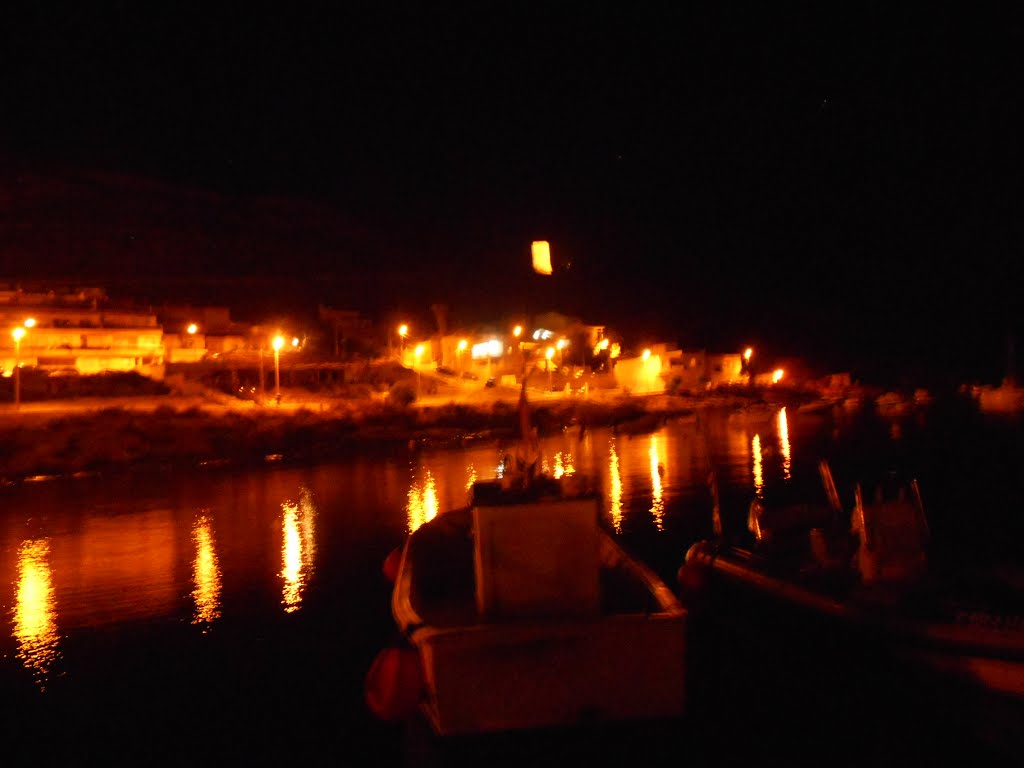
x=140 y=423
x=115 y=437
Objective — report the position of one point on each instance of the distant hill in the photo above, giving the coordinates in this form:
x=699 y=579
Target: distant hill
x=117 y=229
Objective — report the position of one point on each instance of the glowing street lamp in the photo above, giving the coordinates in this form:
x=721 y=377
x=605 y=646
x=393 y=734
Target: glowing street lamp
x=403 y=331
x=278 y=343
x=549 y=353
x=30 y=322
x=459 y=350
x=18 y=334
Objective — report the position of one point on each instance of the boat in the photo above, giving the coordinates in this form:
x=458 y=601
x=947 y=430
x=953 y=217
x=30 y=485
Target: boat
x=521 y=612
x=757 y=411
x=868 y=574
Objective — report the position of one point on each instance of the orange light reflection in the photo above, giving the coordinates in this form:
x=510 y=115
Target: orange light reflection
x=755 y=450
x=422 y=506
x=298 y=549
x=615 y=476
x=563 y=464
x=657 y=494
x=205 y=573
x=784 y=443
x=35 y=615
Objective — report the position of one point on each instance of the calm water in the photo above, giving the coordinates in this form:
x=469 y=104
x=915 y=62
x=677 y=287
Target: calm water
x=232 y=615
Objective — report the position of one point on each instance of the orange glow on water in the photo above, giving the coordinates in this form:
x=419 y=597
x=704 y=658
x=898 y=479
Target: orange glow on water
x=206 y=576
x=615 y=477
x=563 y=464
x=657 y=493
x=35 y=613
x=423 y=505
x=297 y=549
x=784 y=443
x=755 y=451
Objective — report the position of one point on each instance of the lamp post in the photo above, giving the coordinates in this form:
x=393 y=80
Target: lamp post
x=459 y=350
x=18 y=333
x=278 y=343
x=548 y=354
x=418 y=353
x=403 y=331
x=516 y=333
x=262 y=342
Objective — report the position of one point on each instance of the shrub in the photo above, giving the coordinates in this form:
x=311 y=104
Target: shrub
x=402 y=393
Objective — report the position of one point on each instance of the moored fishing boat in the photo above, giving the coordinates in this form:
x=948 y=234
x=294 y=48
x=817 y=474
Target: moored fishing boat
x=868 y=574
x=520 y=612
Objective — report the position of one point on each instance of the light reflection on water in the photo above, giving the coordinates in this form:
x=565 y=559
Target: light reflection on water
x=205 y=573
x=657 y=494
x=615 y=486
x=298 y=548
x=35 y=624
x=201 y=549
x=758 y=471
x=783 y=427
x=423 y=505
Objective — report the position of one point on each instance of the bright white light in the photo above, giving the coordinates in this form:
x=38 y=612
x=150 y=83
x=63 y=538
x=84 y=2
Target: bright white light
x=492 y=348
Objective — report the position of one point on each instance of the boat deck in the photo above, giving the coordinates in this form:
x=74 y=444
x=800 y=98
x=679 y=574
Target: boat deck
x=441 y=553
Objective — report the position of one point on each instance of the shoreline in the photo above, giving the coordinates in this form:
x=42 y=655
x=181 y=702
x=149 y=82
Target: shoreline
x=71 y=438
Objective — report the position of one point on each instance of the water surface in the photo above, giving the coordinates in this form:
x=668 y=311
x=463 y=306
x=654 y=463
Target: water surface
x=234 y=613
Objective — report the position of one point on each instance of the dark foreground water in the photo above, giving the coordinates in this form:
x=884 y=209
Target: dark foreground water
x=230 y=617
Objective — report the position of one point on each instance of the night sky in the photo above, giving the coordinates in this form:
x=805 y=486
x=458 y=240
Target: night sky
x=843 y=185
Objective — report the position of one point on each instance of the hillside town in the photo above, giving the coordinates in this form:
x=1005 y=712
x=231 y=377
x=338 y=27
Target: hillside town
x=61 y=331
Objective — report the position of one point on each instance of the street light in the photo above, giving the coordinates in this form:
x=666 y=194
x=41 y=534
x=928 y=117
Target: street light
x=460 y=350
x=403 y=331
x=548 y=354
x=518 y=332
x=278 y=343
x=191 y=330
x=18 y=333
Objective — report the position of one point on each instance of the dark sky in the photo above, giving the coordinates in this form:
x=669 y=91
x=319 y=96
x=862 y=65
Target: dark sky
x=812 y=179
